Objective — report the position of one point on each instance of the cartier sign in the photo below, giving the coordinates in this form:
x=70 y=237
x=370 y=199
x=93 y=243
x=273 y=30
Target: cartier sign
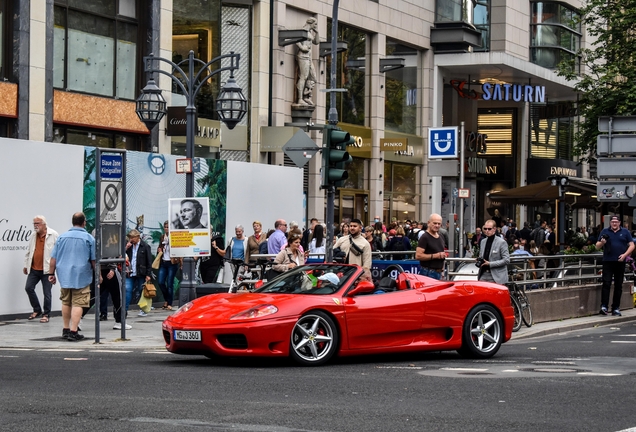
x=177 y=125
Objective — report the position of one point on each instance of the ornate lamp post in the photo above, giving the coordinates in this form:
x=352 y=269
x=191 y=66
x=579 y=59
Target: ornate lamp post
x=230 y=105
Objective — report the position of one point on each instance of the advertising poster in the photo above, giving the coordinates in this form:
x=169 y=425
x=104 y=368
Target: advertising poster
x=190 y=230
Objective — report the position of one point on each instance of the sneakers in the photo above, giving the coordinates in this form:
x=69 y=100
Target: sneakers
x=74 y=337
x=142 y=314
x=117 y=326
x=616 y=312
x=65 y=333
x=603 y=310
x=103 y=317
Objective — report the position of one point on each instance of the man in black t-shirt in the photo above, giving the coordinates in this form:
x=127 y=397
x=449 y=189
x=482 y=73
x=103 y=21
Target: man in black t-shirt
x=430 y=247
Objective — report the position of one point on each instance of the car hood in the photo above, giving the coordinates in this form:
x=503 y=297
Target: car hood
x=219 y=308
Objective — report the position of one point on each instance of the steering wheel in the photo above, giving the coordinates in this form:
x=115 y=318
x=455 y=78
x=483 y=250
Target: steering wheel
x=387 y=271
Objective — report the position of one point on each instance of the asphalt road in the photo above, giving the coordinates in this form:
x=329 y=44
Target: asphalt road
x=577 y=381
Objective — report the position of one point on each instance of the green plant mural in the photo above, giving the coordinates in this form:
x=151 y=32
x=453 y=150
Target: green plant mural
x=214 y=186
x=88 y=206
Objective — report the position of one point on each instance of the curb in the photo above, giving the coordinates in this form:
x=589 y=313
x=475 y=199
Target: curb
x=574 y=326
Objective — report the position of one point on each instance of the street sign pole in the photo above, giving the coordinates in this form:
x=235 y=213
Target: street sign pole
x=461 y=186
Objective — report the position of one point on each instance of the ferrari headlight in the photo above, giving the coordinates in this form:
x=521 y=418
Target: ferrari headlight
x=186 y=307
x=256 y=312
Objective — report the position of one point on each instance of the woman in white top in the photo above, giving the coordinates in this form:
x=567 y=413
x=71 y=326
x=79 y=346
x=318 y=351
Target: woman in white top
x=317 y=244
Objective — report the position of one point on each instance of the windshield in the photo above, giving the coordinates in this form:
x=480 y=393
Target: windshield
x=311 y=279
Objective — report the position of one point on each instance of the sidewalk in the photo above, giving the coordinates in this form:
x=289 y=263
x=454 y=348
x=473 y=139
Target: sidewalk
x=146 y=331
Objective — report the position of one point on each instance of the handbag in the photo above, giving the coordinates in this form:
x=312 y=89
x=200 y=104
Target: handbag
x=157 y=262
x=149 y=290
x=145 y=304
x=271 y=273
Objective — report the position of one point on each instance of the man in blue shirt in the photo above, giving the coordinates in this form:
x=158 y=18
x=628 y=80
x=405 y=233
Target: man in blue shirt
x=617 y=244
x=277 y=240
x=73 y=257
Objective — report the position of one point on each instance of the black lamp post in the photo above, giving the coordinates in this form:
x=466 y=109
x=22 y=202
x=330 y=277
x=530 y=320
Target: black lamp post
x=561 y=182
x=231 y=107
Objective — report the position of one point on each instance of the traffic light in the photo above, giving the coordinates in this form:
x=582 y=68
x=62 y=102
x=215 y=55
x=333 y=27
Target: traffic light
x=335 y=156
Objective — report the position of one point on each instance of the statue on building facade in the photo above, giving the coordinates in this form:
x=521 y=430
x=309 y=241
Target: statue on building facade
x=306 y=72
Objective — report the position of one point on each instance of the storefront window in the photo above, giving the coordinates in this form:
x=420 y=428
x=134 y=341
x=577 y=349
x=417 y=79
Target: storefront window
x=556 y=34
x=196 y=27
x=350 y=75
x=499 y=127
x=552 y=130
x=399 y=191
x=400 y=109
x=356 y=174
x=95 y=48
x=101 y=139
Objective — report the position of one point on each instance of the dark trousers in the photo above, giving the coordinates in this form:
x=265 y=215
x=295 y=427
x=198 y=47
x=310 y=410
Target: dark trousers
x=167 y=272
x=33 y=278
x=110 y=286
x=615 y=269
x=209 y=274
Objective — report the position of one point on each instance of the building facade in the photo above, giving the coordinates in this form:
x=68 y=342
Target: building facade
x=72 y=70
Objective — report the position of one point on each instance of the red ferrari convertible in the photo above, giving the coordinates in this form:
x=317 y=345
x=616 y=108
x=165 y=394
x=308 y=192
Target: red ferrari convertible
x=314 y=312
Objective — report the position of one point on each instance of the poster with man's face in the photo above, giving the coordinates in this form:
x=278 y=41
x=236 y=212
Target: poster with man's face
x=189 y=227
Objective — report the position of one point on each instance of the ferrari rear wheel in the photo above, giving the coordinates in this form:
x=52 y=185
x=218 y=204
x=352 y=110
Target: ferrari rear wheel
x=314 y=339
x=482 y=333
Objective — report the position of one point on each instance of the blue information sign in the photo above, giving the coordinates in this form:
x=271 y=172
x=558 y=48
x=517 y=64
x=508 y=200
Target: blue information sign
x=111 y=166
x=442 y=143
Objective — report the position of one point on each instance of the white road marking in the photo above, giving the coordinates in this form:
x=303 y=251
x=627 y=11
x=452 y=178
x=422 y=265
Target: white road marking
x=627 y=342
x=554 y=362
x=16 y=349
x=157 y=352
x=73 y=359
x=110 y=351
x=60 y=350
x=3 y=356
x=398 y=367
x=628 y=430
x=626 y=335
x=464 y=369
x=510 y=370
x=598 y=374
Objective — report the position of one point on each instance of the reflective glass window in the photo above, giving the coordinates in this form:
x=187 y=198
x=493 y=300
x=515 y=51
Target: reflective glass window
x=401 y=98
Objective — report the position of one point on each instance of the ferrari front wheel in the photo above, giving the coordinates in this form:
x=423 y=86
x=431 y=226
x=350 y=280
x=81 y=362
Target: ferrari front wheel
x=482 y=333
x=314 y=339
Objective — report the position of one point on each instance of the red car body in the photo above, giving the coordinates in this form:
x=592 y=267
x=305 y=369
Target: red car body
x=419 y=314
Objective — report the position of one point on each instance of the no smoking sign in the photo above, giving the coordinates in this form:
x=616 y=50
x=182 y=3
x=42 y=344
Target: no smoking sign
x=111 y=198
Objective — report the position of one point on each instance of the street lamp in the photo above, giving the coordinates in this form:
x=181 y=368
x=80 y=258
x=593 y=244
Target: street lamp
x=231 y=107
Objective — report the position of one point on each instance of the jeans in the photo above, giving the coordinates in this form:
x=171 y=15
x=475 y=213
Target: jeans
x=617 y=270
x=167 y=272
x=33 y=278
x=134 y=286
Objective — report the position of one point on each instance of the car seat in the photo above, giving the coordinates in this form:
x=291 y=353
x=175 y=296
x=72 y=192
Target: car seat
x=387 y=284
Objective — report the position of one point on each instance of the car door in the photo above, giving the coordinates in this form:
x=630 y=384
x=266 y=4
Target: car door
x=383 y=320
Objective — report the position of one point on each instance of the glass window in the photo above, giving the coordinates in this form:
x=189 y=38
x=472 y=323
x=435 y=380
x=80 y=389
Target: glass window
x=350 y=75
x=400 y=107
x=552 y=130
x=103 y=7
x=481 y=20
x=555 y=35
x=95 y=51
x=127 y=8
x=356 y=174
x=196 y=27
x=92 y=138
x=498 y=126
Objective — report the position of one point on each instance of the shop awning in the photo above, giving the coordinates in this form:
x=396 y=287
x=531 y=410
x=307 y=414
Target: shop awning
x=579 y=192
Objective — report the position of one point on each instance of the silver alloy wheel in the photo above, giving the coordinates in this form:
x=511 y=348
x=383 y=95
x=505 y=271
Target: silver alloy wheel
x=312 y=339
x=485 y=331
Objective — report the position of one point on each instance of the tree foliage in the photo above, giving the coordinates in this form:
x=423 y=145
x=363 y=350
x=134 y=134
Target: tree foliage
x=608 y=81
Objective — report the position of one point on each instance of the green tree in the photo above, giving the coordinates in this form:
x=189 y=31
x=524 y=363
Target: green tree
x=607 y=84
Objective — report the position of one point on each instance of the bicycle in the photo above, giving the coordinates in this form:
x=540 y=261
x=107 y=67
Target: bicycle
x=521 y=306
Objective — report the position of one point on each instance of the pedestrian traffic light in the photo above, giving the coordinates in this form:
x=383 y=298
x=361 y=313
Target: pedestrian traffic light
x=335 y=156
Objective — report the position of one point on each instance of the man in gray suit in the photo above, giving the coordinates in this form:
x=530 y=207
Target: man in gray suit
x=494 y=252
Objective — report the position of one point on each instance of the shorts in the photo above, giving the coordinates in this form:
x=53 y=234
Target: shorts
x=79 y=297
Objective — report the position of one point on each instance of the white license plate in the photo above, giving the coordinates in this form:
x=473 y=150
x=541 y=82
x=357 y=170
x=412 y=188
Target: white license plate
x=187 y=335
